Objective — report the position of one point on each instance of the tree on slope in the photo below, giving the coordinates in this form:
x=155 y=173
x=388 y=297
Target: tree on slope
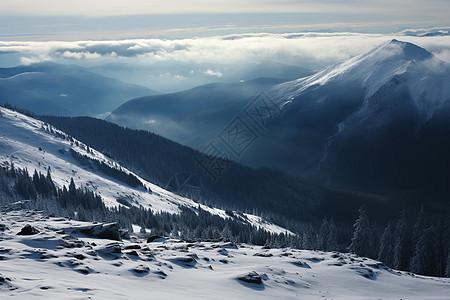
x=361 y=239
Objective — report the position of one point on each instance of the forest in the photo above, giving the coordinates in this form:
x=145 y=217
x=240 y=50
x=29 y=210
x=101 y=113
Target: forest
x=419 y=246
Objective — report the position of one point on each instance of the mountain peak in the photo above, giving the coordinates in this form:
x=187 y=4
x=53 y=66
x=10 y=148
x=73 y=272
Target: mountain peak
x=373 y=69
x=395 y=41
x=408 y=50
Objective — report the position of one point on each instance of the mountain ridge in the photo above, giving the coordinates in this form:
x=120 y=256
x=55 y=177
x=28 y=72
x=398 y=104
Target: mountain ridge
x=51 y=88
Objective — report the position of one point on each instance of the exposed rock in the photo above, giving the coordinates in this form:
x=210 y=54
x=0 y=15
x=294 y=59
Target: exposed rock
x=111 y=248
x=184 y=261
x=48 y=255
x=251 y=277
x=133 y=253
x=263 y=254
x=193 y=255
x=141 y=269
x=4 y=279
x=3 y=227
x=104 y=231
x=84 y=270
x=301 y=264
x=124 y=233
x=315 y=259
x=366 y=272
x=28 y=230
x=161 y=274
x=75 y=243
x=79 y=256
x=129 y=247
x=229 y=245
x=153 y=237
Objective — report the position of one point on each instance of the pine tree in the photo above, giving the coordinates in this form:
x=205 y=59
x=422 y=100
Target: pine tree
x=361 y=235
x=447 y=269
x=385 y=252
x=400 y=242
x=332 y=238
x=322 y=240
x=72 y=188
x=418 y=260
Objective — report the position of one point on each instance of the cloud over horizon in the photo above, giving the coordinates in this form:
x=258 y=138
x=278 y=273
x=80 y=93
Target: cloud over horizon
x=200 y=60
x=316 y=48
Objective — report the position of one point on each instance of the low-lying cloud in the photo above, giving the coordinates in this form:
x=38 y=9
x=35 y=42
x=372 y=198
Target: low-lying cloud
x=317 y=48
x=218 y=57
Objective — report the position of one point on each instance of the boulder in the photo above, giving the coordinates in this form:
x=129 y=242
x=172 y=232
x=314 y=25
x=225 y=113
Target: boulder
x=3 y=227
x=153 y=237
x=301 y=264
x=28 y=230
x=251 y=277
x=104 y=231
x=141 y=269
x=264 y=254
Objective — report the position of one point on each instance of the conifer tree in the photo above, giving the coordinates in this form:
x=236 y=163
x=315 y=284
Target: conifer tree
x=400 y=241
x=360 y=242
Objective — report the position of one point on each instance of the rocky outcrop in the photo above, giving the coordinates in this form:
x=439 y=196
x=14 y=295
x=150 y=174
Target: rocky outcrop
x=104 y=231
x=251 y=277
x=28 y=230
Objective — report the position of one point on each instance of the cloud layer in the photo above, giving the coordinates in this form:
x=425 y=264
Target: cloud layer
x=189 y=62
x=298 y=48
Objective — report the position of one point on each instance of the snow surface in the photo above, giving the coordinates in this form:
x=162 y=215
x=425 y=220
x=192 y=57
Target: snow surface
x=59 y=263
x=21 y=137
x=425 y=76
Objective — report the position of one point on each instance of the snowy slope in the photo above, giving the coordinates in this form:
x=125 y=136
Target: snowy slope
x=425 y=76
x=22 y=137
x=59 y=263
x=350 y=125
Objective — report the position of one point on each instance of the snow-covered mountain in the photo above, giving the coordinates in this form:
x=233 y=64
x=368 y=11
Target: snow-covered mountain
x=53 y=259
x=392 y=64
x=378 y=121
x=32 y=144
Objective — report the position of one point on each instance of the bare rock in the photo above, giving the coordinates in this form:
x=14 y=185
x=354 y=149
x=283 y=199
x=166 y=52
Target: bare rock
x=104 y=231
x=28 y=230
x=153 y=237
x=251 y=277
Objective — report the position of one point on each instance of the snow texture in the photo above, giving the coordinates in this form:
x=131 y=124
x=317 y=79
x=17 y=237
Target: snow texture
x=61 y=263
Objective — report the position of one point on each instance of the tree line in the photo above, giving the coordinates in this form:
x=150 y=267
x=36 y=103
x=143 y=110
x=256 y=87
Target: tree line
x=420 y=246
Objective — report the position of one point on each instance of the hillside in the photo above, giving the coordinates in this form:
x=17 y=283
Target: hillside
x=28 y=143
x=192 y=117
x=67 y=90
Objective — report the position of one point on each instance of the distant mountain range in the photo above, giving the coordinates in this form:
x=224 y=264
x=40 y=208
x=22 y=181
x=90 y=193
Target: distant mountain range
x=65 y=90
x=169 y=77
x=378 y=122
x=193 y=117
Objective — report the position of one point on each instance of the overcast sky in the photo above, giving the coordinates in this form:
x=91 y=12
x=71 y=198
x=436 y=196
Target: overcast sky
x=401 y=8
x=112 y=19
x=192 y=41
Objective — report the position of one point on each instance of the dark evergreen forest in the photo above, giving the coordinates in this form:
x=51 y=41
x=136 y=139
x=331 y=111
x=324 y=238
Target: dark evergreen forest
x=278 y=196
x=420 y=246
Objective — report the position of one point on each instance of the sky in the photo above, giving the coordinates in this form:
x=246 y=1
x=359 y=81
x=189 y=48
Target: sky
x=170 y=45
x=112 y=19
